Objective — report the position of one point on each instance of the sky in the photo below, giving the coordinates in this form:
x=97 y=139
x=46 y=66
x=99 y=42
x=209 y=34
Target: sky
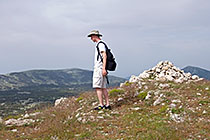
x=52 y=34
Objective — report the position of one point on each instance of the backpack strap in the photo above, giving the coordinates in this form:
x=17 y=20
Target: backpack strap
x=107 y=79
x=99 y=54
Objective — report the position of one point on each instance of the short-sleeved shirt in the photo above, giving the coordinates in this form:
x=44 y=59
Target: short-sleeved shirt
x=98 y=64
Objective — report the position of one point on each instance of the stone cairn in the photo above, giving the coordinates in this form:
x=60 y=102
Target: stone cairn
x=165 y=71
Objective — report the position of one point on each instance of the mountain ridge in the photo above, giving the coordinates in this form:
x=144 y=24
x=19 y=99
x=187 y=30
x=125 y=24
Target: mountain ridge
x=201 y=72
x=60 y=77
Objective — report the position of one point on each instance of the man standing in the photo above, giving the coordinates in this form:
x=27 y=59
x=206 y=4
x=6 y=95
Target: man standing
x=100 y=72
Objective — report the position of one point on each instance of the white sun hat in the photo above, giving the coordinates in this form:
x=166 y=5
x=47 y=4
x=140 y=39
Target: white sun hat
x=94 y=32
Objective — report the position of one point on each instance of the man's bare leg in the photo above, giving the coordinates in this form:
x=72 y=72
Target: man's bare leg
x=99 y=92
x=105 y=93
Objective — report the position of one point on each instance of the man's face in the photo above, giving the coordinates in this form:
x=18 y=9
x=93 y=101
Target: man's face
x=94 y=38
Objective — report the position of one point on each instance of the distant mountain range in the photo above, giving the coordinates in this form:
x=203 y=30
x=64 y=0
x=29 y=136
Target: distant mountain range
x=20 y=91
x=202 y=73
x=71 y=78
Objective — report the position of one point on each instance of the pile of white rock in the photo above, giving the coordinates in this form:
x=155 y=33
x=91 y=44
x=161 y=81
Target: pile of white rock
x=18 y=122
x=24 y=120
x=165 y=71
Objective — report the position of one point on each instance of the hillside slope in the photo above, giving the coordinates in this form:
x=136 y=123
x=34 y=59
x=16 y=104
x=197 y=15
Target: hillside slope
x=147 y=106
x=198 y=71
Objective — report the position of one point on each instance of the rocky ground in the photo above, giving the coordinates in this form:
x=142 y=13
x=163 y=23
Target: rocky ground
x=160 y=103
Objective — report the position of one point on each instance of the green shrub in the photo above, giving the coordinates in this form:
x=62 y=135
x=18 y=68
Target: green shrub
x=177 y=111
x=163 y=109
x=12 y=117
x=176 y=86
x=79 y=99
x=169 y=93
x=115 y=92
x=1 y=126
x=85 y=135
x=203 y=102
x=142 y=95
x=127 y=83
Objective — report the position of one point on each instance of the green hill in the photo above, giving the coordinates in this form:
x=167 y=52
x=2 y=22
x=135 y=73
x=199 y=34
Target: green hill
x=50 y=78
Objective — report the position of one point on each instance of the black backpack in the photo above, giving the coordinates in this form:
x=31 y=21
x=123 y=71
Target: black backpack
x=110 y=62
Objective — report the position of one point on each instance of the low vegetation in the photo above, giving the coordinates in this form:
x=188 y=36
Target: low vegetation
x=142 y=95
x=116 y=92
x=182 y=113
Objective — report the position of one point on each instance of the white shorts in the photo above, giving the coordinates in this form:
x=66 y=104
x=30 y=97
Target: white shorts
x=99 y=81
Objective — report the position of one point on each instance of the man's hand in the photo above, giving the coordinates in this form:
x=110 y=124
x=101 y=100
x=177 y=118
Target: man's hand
x=104 y=72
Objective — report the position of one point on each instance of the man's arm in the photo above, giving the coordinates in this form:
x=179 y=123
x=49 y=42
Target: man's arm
x=104 y=72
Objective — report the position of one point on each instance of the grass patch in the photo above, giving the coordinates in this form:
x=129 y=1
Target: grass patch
x=115 y=92
x=142 y=95
x=176 y=86
x=127 y=83
x=12 y=117
x=169 y=93
x=177 y=111
x=1 y=126
x=149 y=126
x=79 y=99
x=204 y=102
x=85 y=135
x=163 y=109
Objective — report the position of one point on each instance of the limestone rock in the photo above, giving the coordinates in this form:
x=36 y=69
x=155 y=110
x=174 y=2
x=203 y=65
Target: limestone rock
x=18 y=122
x=164 y=86
x=204 y=112
x=149 y=95
x=1 y=120
x=178 y=81
x=122 y=84
x=176 y=101
x=79 y=119
x=26 y=116
x=101 y=112
x=169 y=78
x=100 y=117
x=144 y=75
x=120 y=99
x=59 y=101
x=14 y=130
x=159 y=100
x=177 y=118
x=161 y=79
x=195 y=77
x=199 y=94
x=136 y=108
x=172 y=105
x=134 y=79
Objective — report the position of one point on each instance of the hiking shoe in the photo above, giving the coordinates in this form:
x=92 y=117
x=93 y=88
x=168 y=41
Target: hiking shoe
x=99 y=108
x=107 y=107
